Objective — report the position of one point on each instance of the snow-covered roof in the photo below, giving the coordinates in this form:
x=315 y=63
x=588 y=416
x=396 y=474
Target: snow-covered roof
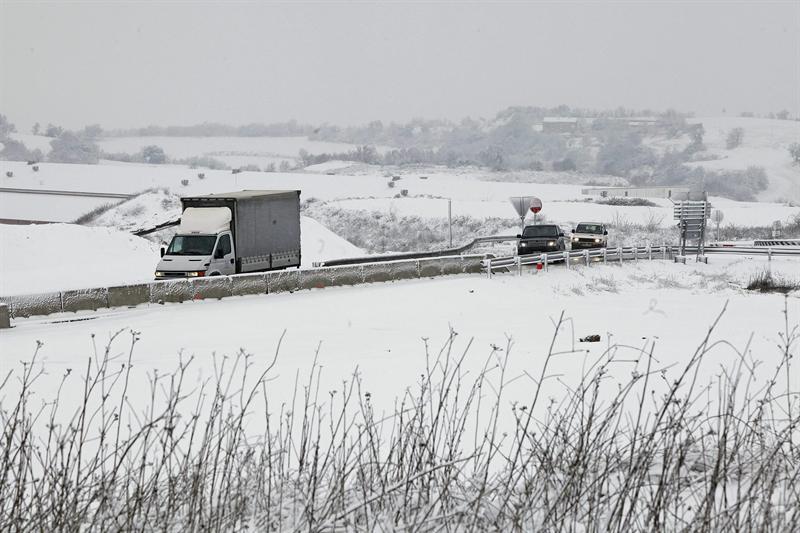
x=205 y=220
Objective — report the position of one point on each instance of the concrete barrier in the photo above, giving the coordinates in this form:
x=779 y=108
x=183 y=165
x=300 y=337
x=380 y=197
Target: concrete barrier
x=391 y=271
x=35 y=304
x=246 y=284
x=282 y=281
x=224 y=286
x=128 y=295
x=5 y=316
x=213 y=287
x=429 y=268
x=330 y=277
x=171 y=291
x=472 y=264
x=84 y=300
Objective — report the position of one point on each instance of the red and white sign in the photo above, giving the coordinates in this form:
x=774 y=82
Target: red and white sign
x=536 y=205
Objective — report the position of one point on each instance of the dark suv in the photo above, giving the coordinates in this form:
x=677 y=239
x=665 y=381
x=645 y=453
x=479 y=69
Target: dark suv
x=540 y=238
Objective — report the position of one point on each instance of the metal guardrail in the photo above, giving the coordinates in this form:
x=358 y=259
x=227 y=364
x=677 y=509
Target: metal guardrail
x=776 y=242
x=623 y=253
x=413 y=255
x=606 y=255
x=89 y=194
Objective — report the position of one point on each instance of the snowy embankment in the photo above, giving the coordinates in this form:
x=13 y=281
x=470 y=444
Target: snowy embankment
x=378 y=328
x=54 y=257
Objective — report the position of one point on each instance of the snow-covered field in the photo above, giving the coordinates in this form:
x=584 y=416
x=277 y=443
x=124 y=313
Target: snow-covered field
x=471 y=196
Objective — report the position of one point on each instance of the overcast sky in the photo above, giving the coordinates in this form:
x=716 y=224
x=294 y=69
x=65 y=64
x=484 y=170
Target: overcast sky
x=139 y=63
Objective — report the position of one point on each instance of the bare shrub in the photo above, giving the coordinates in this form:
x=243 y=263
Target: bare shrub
x=646 y=454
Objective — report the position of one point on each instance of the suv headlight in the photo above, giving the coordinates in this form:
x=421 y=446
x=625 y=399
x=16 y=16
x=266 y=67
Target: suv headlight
x=597 y=240
x=574 y=239
x=551 y=243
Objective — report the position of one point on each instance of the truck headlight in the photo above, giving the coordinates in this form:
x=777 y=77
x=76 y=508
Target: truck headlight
x=574 y=239
x=597 y=240
x=551 y=243
x=522 y=245
x=195 y=274
x=159 y=274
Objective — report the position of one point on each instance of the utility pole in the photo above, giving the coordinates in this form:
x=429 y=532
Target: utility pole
x=450 y=219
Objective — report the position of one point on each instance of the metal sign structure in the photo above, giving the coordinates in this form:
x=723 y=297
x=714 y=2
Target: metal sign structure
x=523 y=204
x=691 y=216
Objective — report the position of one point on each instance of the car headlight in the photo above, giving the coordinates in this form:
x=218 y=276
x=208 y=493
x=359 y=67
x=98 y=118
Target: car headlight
x=159 y=274
x=597 y=240
x=574 y=239
x=522 y=245
x=195 y=274
x=551 y=243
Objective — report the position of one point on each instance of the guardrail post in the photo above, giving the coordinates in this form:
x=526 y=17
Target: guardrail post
x=663 y=252
x=769 y=254
x=544 y=262
x=518 y=262
x=619 y=253
x=586 y=255
x=489 y=267
x=649 y=252
x=566 y=259
x=605 y=256
x=635 y=254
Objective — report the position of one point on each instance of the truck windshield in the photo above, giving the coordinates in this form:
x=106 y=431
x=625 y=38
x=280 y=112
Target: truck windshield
x=191 y=245
x=589 y=228
x=540 y=231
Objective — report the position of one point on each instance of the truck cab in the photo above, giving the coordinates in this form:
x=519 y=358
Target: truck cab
x=589 y=235
x=202 y=246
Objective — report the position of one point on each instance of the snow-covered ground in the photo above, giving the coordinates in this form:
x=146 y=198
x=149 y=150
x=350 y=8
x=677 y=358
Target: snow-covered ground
x=765 y=144
x=380 y=329
x=182 y=147
x=53 y=257
x=471 y=196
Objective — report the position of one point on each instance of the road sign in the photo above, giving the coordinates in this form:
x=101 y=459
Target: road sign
x=521 y=204
x=536 y=205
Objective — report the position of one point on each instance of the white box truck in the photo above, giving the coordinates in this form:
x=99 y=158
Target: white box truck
x=231 y=233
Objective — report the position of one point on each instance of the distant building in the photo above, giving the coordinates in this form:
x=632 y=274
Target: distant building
x=559 y=125
x=673 y=193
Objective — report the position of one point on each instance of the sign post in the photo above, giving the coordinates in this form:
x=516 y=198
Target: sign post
x=718 y=217
x=523 y=204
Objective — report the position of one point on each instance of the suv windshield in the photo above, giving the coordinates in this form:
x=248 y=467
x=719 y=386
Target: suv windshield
x=191 y=245
x=540 y=231
x=589 y=228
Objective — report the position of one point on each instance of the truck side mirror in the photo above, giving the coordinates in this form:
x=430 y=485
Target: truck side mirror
x=561 y=234
x=163 y=251
x=573 y=230
x=519 y=236
x=605 y=232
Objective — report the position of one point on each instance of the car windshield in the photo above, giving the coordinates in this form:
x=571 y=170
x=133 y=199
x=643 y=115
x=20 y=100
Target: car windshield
x=589 y=228
x=540 y=231
x=191 y=245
